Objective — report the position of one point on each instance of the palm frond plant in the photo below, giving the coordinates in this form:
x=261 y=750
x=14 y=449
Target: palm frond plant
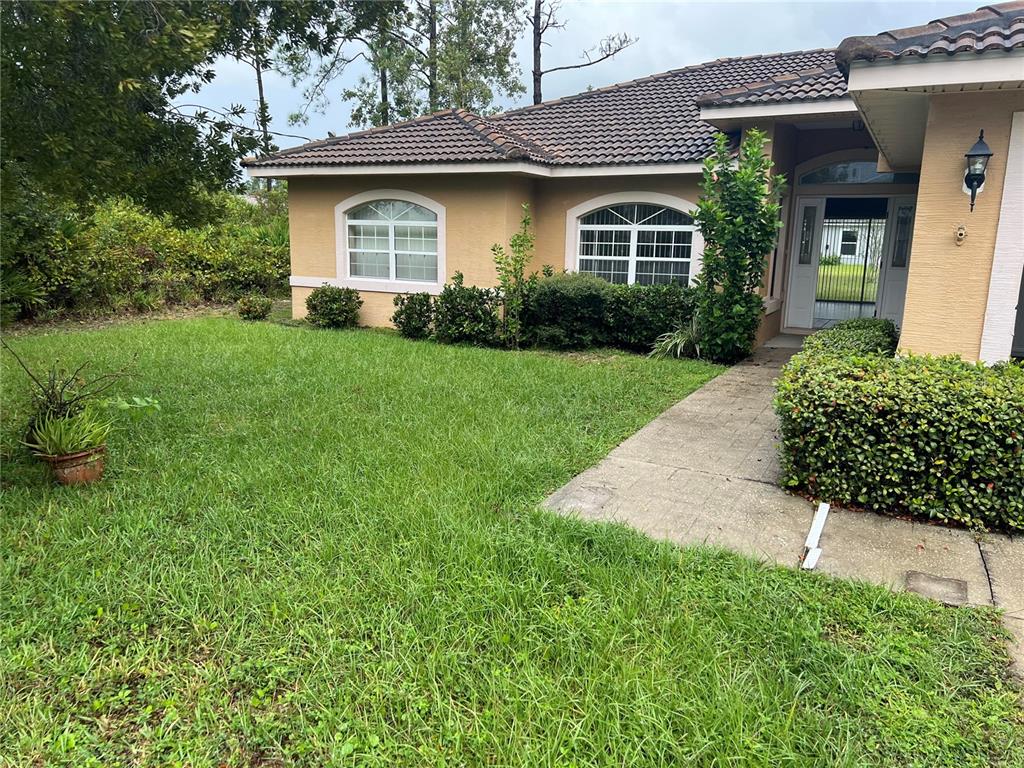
x=73 y=446
x=62 y=436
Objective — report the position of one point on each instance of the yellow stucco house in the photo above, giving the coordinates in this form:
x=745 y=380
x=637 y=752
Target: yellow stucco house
x=883 y=214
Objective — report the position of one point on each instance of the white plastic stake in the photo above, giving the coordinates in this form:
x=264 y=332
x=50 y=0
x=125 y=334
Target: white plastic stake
x=811 y=549
x=811 y=559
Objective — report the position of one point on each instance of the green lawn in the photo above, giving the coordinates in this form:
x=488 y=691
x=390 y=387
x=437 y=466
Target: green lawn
x=843 y=282
x=326 y=551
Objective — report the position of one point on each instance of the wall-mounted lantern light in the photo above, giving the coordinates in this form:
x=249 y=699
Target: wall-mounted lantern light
x=977 y=161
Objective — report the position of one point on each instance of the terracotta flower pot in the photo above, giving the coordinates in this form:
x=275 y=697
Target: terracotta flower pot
x=78 y=468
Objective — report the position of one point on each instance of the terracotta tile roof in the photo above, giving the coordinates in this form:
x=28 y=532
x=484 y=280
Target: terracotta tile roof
x=809 y=85
x=990 y=28
x=654 y=119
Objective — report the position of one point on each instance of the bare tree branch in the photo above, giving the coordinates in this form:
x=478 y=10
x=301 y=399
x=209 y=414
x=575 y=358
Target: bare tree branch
x=608 y=48
x=545 y=18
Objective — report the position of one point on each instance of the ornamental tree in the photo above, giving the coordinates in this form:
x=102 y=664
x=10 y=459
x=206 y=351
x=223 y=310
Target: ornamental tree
x=738 y=216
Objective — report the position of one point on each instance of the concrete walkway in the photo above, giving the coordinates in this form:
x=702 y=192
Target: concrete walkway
x=706 y=472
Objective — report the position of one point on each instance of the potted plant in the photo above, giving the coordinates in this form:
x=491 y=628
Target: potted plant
x=74 y=446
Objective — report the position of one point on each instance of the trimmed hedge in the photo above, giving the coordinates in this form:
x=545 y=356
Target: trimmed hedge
x=864 y=336
x=414 y=315
x=332 y=307
x=563 y=311
x=577 y=311
x=567 y=311
x=935 y=437
x=465 y=314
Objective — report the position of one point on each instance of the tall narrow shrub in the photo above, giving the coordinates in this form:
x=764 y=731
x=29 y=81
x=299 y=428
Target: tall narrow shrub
x=512 y=279
x=738 y=216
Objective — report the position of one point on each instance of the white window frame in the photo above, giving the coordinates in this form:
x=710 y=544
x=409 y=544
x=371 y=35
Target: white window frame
x=577 y=212
x=341 y=221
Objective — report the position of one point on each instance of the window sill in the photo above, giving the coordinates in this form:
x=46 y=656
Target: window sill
x=772 y=305
x=367 y=284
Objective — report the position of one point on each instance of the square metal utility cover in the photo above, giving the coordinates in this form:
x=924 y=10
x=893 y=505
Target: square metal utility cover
x=948 y=591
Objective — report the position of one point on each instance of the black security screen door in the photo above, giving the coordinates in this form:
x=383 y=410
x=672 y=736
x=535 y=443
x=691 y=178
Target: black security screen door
x=850 y=259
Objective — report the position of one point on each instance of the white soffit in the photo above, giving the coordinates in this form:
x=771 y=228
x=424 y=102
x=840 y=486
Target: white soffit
x=892 y=94
x=964 y=72
x=897 y=122
x=795 y=110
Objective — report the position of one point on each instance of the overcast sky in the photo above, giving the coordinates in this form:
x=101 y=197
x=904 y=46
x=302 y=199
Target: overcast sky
x=671 y=35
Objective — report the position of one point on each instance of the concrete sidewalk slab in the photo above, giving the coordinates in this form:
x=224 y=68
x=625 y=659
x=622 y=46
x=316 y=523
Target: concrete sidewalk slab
x=706 y=471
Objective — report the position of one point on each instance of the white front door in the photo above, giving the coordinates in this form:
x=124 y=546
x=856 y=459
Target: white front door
x=896 y=265
x=803 y=273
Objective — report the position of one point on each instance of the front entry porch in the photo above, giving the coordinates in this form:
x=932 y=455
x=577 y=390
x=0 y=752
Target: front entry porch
x=849 y=259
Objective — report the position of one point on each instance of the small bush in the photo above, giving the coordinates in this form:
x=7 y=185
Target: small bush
x=465 y=314
x=936 y=437
x=636 y=315
x=866 y=336
x=567 y=311
x=254 y=307
x=332 y=307
x=414 y=315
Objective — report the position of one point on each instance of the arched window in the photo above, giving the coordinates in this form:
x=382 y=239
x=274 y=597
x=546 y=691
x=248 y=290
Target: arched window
x=392 y=240
x=636 y=243
x=856 y=172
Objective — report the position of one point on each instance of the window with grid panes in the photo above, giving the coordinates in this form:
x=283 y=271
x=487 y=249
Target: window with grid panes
x=636 y=243
x=393 y=240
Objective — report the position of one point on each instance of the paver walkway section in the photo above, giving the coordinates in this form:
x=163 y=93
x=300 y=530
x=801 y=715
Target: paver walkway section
x=706 y=472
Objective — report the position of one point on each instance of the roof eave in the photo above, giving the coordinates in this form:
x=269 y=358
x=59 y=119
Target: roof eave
x=728 y=115
x=520 y=168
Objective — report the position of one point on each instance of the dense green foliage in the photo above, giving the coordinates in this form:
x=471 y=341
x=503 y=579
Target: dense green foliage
x=935 y=437
x=324 y=551
x=88 y=94
x=120 y=257
x=465 y=314
x=414 y=315
x=738 y=216
x=255 y=307
x=864 y=336
x=332 y=307
x=577 y=311
x=567 y=311
x=558 y=311
x=636 y=315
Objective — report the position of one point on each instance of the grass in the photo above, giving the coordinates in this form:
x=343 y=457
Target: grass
x=325 y=550
x=843 y=282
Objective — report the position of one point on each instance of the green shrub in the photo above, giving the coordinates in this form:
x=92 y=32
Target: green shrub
x=865 y=336
x=119 y=256
x=936 y=437
x=465 y=314
x=514 y=285
x=332 y=307
x=254 y=307
x=738 y=215
x=414 y=315
x=636 y=315
x=567 y=311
